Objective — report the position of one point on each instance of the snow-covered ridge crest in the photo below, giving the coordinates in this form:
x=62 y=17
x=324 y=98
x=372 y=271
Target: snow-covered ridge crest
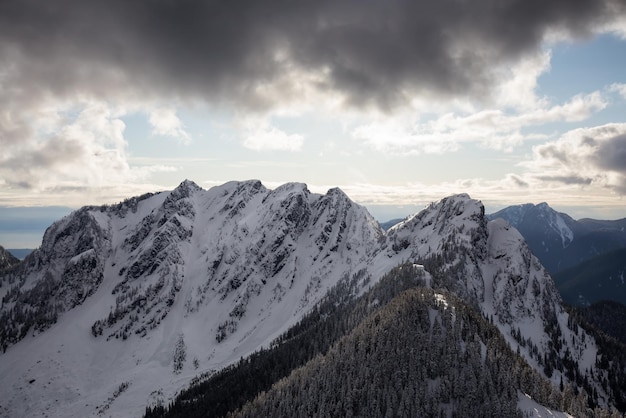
x=160 y=288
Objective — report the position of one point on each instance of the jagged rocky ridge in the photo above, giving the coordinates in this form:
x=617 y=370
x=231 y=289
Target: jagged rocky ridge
x=160 y=288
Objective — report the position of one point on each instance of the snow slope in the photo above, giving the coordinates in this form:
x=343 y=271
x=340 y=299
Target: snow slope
x=532 y=409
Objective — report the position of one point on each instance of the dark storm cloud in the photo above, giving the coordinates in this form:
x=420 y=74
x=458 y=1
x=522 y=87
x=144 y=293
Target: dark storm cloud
x=372 y=52
x=611 y=155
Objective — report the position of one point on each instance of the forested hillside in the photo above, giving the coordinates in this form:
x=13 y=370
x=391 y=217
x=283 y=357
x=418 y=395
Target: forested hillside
x=593 y=280
x=605 y=321
x=607 y=316
x=400 y=349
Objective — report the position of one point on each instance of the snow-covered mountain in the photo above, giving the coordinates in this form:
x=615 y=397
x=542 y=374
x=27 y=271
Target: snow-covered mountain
x=123 y=305
x=559 y=241
x=489 y=265
x=112 y=292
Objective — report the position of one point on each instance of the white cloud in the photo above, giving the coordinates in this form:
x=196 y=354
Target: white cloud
x=403 y=135
x=518 y=85
x=67 y=145
x=619 y=88
x=261 y=135
x=587 y=156
x=617 y=27
x=165 y=122
x=492 y=128
x=75 y=150
x=511 y=189
x=584 y=167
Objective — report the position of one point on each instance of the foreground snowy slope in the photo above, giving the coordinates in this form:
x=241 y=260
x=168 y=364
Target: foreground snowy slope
x=123 y=305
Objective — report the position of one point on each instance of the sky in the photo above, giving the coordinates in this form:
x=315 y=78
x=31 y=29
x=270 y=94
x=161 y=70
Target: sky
x=397 y=102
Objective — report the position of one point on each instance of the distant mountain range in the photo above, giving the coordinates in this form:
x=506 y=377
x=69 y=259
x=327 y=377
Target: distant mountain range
x=586 y=257
x=559 y=241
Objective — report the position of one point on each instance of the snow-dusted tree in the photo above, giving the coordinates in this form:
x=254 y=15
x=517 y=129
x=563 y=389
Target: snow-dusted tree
x=180 y=354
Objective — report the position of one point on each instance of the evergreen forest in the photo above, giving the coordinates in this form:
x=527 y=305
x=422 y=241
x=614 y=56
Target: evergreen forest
x=398 y=350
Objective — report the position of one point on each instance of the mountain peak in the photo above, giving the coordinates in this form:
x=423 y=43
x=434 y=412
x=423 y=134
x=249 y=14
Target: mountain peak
x=464 y=205
x=337 y=192
x=188 y=186
x=548 y=210
x=458 y=196
x=456 y=219
x=451 y=209
x=289 y=188
x=243 y=188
